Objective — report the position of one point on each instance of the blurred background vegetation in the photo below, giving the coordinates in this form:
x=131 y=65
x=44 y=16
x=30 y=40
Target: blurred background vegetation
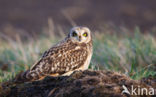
x=123 y=33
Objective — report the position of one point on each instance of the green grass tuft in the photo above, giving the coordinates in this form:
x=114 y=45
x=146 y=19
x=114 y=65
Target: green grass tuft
x=133 y=55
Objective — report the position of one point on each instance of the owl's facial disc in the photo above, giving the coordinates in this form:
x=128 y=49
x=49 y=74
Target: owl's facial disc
x=80 y=34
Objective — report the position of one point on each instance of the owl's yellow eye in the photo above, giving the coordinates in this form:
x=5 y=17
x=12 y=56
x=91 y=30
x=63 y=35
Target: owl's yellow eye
x=85 y=34
x=74 y=34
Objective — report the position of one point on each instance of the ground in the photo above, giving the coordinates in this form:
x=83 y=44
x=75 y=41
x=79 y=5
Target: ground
x=87 y=83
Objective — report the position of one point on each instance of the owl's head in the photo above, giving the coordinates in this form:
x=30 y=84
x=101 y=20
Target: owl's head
x=80 y=34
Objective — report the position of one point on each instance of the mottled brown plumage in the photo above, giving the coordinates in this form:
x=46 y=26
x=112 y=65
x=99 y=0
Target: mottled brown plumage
x=73 y=53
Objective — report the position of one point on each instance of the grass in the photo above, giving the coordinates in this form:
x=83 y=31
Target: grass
x=133 y=55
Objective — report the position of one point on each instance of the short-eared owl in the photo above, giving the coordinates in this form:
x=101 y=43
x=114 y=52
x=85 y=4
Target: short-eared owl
x=73 y=53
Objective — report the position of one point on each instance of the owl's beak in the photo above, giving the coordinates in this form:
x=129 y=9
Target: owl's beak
x=79 y=38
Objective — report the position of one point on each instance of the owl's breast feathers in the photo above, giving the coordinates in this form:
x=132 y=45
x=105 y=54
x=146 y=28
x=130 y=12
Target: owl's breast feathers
x=60 y=59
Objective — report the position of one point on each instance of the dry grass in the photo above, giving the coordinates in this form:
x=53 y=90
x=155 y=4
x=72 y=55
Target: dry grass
x=133 y=55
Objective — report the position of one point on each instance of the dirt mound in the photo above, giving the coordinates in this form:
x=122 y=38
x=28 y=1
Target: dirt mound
x=80 y=84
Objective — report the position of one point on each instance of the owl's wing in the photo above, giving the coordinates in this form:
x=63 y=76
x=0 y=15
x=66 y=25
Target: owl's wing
x=60 y=59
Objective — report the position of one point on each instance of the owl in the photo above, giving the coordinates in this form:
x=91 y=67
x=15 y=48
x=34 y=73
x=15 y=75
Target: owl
x=71 y=54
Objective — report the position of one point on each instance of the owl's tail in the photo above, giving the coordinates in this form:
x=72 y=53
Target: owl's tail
x=23 y=77
x=28 y=76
